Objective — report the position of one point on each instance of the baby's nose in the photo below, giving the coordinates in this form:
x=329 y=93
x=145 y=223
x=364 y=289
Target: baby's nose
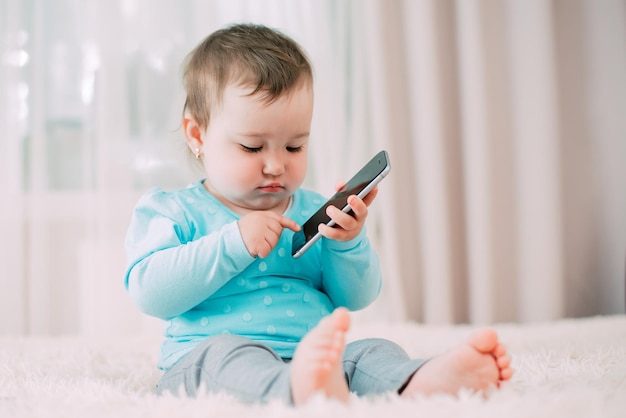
x=274 y=167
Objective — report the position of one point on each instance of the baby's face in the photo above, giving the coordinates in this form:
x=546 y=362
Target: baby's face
x=255 y=153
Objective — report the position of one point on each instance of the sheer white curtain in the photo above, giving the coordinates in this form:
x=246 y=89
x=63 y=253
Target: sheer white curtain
x=504 y=121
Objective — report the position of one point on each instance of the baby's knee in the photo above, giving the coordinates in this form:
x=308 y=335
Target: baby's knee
x=377 y=347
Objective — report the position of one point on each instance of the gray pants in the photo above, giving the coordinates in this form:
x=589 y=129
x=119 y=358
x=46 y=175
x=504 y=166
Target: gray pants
x=253 y=372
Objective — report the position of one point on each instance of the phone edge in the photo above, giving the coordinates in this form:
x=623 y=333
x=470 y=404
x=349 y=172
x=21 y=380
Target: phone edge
x=346 y=208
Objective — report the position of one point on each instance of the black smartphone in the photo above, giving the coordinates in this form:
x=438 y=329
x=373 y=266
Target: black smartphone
x=361 y=184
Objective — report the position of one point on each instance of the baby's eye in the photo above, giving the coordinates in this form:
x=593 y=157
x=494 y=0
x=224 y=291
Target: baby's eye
x=251 y=149
x=294 y=149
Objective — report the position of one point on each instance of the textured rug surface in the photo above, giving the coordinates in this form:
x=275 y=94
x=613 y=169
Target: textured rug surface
x=567 y=368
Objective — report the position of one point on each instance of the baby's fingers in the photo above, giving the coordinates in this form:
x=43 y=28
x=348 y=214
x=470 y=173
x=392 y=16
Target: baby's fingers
x=370 y=196
x=345 y=220
x=289 y=223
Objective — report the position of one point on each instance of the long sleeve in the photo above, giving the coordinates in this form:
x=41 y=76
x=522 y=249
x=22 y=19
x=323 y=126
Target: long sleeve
x=188 y=265
x=351 y=272
x=171 y=266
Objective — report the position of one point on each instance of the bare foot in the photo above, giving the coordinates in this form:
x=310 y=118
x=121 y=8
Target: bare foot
x=479 y=364
x=317 y=365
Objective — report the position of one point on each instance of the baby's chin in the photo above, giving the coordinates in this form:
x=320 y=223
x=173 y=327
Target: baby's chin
x=275 y=202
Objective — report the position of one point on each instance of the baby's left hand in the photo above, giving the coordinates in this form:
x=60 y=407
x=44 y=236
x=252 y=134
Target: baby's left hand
x=348 y=226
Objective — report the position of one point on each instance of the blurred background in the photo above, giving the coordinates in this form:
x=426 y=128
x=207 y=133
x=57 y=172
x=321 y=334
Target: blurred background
x=505 y=121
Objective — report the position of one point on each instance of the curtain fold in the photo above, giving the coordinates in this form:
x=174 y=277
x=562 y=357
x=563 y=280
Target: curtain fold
x=535 y=134
x=504 y=121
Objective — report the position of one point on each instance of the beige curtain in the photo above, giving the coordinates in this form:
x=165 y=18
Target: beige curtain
x=505 y=122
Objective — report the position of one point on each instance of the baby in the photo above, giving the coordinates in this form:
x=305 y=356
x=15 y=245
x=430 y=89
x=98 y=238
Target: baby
x=213 y=261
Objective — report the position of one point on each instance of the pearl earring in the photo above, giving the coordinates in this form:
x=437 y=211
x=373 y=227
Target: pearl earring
x=197 y=153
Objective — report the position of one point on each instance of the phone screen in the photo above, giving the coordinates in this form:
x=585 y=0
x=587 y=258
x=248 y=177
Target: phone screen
x=361 y=184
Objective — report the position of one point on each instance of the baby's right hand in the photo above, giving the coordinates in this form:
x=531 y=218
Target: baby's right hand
x=261 y=231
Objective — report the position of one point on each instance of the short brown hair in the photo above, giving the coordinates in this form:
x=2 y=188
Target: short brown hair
x=264 y=58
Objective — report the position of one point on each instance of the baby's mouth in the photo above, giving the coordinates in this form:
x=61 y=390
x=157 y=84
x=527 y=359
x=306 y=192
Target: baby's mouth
x=272 y=188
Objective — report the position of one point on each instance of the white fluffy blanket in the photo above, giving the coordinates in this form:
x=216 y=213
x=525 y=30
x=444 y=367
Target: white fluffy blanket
x=568 y=368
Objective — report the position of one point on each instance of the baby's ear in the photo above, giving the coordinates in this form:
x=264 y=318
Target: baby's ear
x=193 y=132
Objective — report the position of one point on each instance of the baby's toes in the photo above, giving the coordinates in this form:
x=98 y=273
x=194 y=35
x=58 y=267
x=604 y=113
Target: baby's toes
x=506 y=373
x=503 y=361
x=499 y=350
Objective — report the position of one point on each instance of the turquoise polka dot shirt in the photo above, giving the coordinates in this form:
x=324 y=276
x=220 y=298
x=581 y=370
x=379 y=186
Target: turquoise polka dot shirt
x=188 y=265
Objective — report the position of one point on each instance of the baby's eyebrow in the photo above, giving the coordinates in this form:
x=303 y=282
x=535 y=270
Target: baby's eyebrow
x=253 y=135
x=265 y=135
x=301 y=135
